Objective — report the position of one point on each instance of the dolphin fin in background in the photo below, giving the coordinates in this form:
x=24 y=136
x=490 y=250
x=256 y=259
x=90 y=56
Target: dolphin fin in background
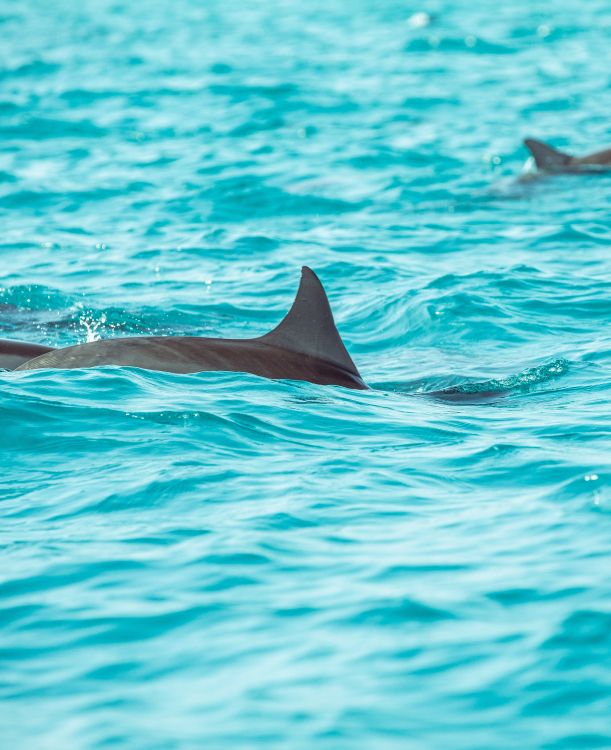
x=547 y=158
x=309 y=328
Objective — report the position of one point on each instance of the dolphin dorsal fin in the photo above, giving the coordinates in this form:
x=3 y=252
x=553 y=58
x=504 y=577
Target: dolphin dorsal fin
x=309 y=328
x=545 y=156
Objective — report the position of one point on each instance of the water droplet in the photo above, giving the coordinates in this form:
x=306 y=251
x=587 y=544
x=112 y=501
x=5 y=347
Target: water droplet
x=419 y=20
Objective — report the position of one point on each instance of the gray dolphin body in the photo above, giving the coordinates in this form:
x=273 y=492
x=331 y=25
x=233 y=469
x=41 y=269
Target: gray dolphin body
x=549 y=159
x=15 y=353
x=304 y=346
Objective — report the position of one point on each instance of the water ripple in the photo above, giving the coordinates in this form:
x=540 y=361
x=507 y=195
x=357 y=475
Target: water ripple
x=217 y=560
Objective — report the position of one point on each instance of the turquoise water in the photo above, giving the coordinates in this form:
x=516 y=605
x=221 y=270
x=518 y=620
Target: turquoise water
x=221 y=561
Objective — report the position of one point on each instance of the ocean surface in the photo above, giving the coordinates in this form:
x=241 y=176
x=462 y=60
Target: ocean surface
x=222 y=561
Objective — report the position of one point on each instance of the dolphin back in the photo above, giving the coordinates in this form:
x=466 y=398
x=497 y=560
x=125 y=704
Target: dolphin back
x=306 y=345
x=15 y=353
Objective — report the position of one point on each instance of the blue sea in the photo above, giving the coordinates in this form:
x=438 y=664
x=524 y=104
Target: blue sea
x=225 y=562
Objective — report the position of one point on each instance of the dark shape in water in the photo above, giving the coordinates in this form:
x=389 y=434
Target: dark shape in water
x=304 y=346
x=15 y=353
x=457 y=394
x=549 y=159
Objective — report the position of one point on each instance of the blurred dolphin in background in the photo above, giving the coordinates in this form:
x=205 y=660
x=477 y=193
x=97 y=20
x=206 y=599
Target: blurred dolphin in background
x=549 y=159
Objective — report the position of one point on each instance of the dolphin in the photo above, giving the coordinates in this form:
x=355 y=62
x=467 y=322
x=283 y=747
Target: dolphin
x=549 y=159
x=306 y=345
x=15 y=353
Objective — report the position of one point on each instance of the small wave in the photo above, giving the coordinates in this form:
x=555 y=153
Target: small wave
x=44 y=128
x=453 y=388
x=235 y=198
x=467 y=43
